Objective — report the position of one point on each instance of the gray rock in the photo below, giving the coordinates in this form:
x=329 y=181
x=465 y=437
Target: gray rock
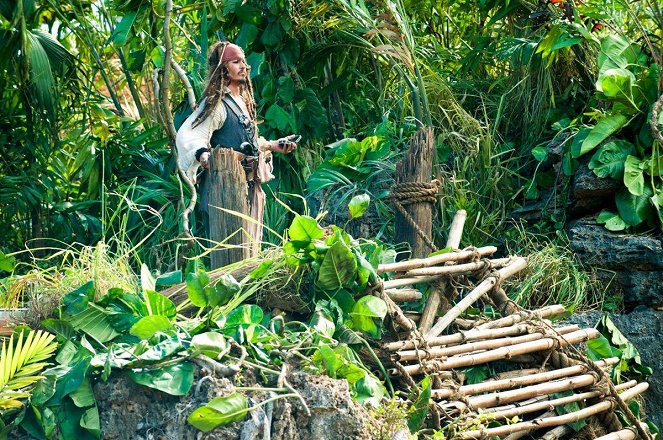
x=635 y=287
x=630 y=265
x=598 y=247
x=644 y=328
x=128 y=411
x=592 y=193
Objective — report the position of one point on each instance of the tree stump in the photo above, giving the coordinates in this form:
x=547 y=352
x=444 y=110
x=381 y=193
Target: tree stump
x=416 y=167
x=228 y=190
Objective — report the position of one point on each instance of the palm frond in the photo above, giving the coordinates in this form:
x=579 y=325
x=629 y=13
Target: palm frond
x=19 y=364
x=41 y=73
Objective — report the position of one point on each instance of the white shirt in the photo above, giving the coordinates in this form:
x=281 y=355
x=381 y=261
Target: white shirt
x=191 y=139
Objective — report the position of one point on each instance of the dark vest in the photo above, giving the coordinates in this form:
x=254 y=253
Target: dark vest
x=236 y=130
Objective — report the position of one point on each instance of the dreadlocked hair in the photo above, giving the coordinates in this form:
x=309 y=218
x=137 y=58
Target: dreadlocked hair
x=218 y=81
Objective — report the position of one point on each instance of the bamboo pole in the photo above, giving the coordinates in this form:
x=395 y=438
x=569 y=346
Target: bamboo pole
x=541 y=389
x=468 y=336
x=404 y=266
x=557 y=433
x=541 y=403
x=548 y=421
x=485 y=286
x=459 y=269
x=624 y=434
x=410 y=281
x=495 y=385
x=489 y=344
x=523 y=434
x=505 y=352
x=433 y=302
x=518 y=373
x=544 y=312
x=403 y=295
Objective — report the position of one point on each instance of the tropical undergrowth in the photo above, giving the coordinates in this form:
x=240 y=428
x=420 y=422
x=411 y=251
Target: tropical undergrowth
x=104 y=329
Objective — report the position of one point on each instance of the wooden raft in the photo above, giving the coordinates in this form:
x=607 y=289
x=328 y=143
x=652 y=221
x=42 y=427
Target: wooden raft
x=533 y=360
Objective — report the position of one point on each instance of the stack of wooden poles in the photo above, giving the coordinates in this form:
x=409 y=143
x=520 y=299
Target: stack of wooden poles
x=538 y=368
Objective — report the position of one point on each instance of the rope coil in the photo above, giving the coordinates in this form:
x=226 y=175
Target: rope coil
x=408 y=193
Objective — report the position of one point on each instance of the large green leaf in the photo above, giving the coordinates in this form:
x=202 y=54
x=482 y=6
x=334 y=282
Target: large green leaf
x=286 y=90
x=617 y=51
x=90 y=421
x=149 y=325
x=157 y=304
x=635 y=209
x=7 y=262
x=304 y=229
x=195 y=288
x=175 y=379
x=323 y=323
x=616 y=83
x=219 y=411
x=358 y=205
x=69 y=379
x=338 y=268
x=369 y=390
x=123 y=28
x=83 y=396
x=209 y=343
x=41 y=73
x=245 y=314
x=247 y=35
x=634 y=178
x=609 y=159
x=161 y=351
x=612 y=221
x=224 y=289
x=600 y=348
x=367 y=313
x=95 y=322
x=280 y=119
x=420 y=402
x=604 y=128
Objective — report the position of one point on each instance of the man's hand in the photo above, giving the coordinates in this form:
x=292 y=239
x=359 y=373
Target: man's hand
x=285 y=145
x=204 y=159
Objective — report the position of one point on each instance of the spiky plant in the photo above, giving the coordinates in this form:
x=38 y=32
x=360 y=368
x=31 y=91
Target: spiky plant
x=21 y=360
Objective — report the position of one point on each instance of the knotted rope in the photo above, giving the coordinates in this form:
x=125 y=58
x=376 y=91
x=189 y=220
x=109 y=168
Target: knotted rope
x=408 y=193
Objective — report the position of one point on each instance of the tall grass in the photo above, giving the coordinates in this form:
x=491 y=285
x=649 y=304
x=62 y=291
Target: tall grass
x=554 y=276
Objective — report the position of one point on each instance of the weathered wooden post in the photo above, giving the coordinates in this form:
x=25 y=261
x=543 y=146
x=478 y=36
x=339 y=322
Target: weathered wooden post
x=414 y=195
x=228 y=190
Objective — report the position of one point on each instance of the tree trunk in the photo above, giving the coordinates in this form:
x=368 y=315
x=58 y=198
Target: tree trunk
x=416 y=166
x=228 y=190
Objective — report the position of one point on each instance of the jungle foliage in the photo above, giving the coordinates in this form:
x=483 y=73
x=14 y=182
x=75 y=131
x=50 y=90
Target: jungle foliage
x=86 y=158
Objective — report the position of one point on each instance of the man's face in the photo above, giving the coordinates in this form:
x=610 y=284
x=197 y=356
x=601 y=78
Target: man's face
x=237 y=70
